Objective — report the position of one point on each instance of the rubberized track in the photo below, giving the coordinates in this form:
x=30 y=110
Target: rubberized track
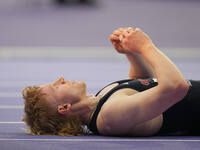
x=96 y=71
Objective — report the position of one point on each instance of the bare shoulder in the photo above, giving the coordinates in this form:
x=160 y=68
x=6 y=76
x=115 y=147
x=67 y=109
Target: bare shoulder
x=107 y=122
x=127 y=112
x=106 y=126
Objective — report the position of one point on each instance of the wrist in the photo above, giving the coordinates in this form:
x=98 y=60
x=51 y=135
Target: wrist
x=147 y=48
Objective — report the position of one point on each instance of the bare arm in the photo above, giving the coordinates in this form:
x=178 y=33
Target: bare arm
x=143 y=106
x=139 y=67
x=137 y=42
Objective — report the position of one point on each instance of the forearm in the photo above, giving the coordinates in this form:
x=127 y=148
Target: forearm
x=139 y=67
x=135 y=41
x=165 y=70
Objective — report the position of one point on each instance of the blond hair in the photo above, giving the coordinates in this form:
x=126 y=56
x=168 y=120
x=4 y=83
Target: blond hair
x=42 y=120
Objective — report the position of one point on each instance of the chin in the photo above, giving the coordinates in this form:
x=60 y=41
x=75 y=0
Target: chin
x=82 y=88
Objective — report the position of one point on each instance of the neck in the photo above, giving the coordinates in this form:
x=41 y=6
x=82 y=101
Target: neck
x=85 y=108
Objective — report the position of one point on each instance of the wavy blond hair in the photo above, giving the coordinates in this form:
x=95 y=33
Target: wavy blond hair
x=42 y=120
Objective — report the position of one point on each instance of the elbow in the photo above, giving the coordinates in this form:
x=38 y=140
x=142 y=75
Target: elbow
x=182 y=89
x=177 y=90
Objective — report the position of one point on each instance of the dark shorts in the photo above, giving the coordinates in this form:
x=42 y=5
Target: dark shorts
x=183 y=118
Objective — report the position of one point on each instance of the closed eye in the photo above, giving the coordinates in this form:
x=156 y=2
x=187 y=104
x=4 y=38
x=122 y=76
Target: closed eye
x=56 y=87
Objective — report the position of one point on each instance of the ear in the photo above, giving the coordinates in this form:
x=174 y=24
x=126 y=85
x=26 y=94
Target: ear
x=64 y=108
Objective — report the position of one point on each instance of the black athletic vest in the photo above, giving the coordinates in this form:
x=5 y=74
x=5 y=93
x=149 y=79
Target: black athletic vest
x=136 y=84
x=183 y=118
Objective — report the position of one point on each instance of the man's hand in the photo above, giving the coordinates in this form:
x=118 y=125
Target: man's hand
x=129 y=40
x=117 y=37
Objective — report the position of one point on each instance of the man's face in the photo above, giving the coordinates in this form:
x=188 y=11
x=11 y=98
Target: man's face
x=63 y=91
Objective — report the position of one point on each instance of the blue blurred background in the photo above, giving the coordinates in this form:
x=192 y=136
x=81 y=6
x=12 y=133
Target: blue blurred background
x=71 y=23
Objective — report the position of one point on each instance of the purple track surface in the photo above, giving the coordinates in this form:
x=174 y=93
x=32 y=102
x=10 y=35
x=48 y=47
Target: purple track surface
x=18 y=73
x=171 y=23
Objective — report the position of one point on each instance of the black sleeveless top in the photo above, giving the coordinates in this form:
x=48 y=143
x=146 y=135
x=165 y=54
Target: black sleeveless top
x=136 y=84
x=183 y=118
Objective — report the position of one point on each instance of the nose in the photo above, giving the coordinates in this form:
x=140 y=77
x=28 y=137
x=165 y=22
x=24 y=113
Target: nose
x=59 y=81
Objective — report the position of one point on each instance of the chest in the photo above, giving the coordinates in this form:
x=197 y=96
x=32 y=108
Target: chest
x=145 y=128
x=127 y=91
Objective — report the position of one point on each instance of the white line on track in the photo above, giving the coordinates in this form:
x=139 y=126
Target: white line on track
x=17 y=122
x=10 y=94
x=57 y=52
x=18 y=84
x=103 y=140
x=84 y=52
x=11 y=106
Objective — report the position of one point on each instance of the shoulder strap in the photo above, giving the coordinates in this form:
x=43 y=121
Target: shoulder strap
x=139 y=85
x=120 y=82
x=92 y=125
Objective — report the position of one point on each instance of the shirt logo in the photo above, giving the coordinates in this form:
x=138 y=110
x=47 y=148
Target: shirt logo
x=144 y=82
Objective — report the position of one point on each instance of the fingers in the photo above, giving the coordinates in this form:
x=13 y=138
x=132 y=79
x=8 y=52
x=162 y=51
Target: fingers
x=125 y=33
x=120 y=33
x=123 y=30
x=118 y=47
x=119 y=36
x=114 y=37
